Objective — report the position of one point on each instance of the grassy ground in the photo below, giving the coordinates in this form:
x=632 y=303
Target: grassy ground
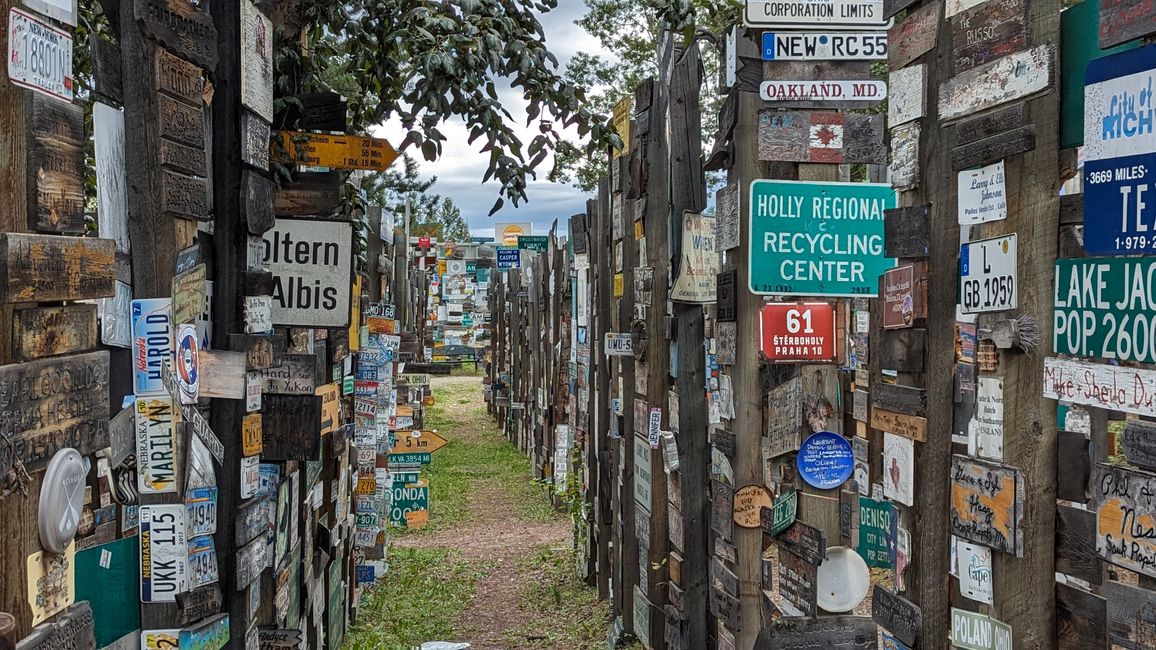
x=495 y=565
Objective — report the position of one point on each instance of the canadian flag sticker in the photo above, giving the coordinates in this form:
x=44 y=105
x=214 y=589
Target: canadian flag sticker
x=826 y=137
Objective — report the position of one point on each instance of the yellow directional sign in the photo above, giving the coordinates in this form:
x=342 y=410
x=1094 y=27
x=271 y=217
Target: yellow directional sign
x=339 y=151
x=418 y=441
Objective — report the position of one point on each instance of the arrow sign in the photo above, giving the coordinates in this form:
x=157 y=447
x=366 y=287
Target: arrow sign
x=419 y=441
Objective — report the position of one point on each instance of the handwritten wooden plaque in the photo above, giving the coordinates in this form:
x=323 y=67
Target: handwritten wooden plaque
x=915 y=36
x=290 y=427
x=986 y=504
x=988 y=31
x=1125 y=518
x=907 y=231
x=1007 y=79
x=1125 y=20
x=52 y=331
x=55 y=165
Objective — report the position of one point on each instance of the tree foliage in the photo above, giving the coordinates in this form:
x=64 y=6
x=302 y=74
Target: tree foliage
x=424 y=62
x=431 y=214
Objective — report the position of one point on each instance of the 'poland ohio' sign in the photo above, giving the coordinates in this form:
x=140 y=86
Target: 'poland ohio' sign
x=1120 y=154
x=311 y=261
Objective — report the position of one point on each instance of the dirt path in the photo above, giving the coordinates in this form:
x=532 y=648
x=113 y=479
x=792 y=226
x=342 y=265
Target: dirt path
x=496 y=534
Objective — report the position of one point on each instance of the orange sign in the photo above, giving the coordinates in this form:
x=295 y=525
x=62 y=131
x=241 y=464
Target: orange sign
x=339 y=151
x=377 y=325
x=418 y=441
x=417 y=518
x=251 y=434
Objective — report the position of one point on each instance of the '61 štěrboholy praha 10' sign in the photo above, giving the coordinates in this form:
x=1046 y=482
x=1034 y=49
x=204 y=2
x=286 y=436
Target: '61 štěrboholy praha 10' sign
x=312 y=264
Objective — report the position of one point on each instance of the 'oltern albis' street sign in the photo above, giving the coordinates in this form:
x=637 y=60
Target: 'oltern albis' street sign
x=312 y=263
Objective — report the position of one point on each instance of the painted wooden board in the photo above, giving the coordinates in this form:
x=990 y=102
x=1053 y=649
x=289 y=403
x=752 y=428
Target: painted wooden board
x=993 y=149
x=290 y=427
x=784 y=418
x=200 y=603
x=106 y=69
x=111 y=184
x=908 y=426
x=1081 y=619
x=1131 y=616
x=52 y=331
x=988 y=31
x=798 y=582
x=1139 y=443
x=179 y=27
x=986 y=504
x=1131 y=390
x=834 y=632
x=1125 y=518
x=820 y=137
x=915 y=36
x=309 y=193
x=1125 y=20
x=1076 y=544
x=990 y=124
x=1013 y=77
x=908 y=94
x=897 y=615
x=905 y=169
x=295 y=375
x=805 y=541
x=55 y=165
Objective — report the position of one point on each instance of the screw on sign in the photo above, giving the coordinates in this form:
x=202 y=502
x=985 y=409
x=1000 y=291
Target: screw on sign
x=797 y=331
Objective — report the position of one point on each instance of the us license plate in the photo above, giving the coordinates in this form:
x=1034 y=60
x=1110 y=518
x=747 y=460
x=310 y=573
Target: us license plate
x=164 y=553
x=201 y=504
x=202 y=562
x=39 y=56
x=988 y=276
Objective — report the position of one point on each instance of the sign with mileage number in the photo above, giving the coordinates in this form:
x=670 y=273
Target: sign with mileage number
x=792 y=332
x=988 y=277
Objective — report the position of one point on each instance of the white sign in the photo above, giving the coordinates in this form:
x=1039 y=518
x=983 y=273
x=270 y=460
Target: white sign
x=908 y=100
x=642 y=494
x=696 y=279
x=973 y=568
x=256 y=61
x=250 y=476
x=796 y=14
x=152 y=344
x=982 y=195
x=455 y=267
x=254 y=382
x=654 y=427
x=988 y=276
x=258 y=314
x=1131 y=390
x=155 y=446
x=989 y=415
x=824 y=46
x=164 y=553
x=116 y=317
x=312 y=264
x=39 y=56
x=111 y=182
x=618 y=345
x=898 y=468
x=867 y=90
x=62 y=10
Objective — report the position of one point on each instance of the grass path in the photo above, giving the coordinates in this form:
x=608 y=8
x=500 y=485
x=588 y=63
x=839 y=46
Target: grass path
x=494 y=567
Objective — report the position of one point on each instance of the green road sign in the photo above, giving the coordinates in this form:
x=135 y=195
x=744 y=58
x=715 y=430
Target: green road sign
x=415 y=458
x=783 y=512
x=876 y=521
x=817 y=239
x=406 y=499
x=540 y=243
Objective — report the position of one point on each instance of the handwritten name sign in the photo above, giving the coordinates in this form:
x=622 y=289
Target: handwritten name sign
x=985 y=504
x=1126 y=518
x=1132 y=390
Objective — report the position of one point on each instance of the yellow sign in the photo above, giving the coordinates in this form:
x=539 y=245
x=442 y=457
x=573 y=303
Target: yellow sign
x=51 y=582
x=621 y=123
x=619 y=285
x=251 y=434
x=441 y=267
x=339 y=151
x=417 y=518
x=330 y=395
x=638 y=231
x=507 y=234
x=377 y=325
x=409 y=442
x=355 y=316
x=365 y=485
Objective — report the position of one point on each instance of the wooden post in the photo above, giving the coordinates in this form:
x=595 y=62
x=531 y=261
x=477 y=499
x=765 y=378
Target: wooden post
x=600 y=265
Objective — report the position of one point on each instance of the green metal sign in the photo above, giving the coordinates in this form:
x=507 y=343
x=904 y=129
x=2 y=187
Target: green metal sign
x=415 y=458
x=876 y=523
x=817 y=239
x=972 y=631
x=406 y=499
x=783 y=512
x=405 y=478
x=539 y=243
x=1106 y=307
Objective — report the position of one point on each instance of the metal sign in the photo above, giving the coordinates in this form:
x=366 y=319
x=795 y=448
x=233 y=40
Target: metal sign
x=817 y=239
x=796 y=14
x=311 y=261
x=825 y=460
x=39 y=56
x=156 y=446
x=419 y=442
x=867 y=90
x=987 y=275
x=201 y=510
x=164 y=553
x=188 y=363
x=539 y=243
x=618 y=344
x=151 y=344
x=797 y=331
x=982 y=195
x=1119 y=154
x=824 y=46
x=973 y=631
x=338 y=151
x=407 y=499
x=509 y=257
x=1102 y=308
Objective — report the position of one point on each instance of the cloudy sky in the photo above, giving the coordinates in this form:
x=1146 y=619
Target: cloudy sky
x=461 y=168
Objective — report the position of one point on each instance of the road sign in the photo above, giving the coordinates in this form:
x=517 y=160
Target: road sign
x=311 y=261
x=339 y=151
x=540 y=243
x=817 y=239
x=797 y=331
x=410 y=458
x=831 y=14
x=1119 y=155
x=406 y=499
x=427 y=442
x=509 y=257
x=987 y=275
x=1101 y=308
x=828 y=46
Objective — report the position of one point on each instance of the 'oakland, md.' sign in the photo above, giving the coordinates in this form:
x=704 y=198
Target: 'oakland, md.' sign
x=311 y=261
x=817 y=239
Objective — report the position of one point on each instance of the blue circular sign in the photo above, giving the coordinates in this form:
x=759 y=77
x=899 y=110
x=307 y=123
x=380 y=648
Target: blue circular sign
x=825 y=460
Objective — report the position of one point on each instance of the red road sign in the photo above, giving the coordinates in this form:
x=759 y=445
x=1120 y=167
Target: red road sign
x=803 y=331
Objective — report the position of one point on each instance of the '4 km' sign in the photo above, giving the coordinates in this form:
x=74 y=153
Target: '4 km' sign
x=802 y=331
x=988 y=277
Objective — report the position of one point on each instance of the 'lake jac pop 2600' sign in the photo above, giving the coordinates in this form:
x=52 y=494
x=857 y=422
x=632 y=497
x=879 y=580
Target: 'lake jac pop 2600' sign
x=817 y=239
x=312 y=264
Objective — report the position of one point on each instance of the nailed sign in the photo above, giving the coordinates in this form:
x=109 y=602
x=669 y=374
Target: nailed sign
x=256 y=61
x=1102 y=308
x=988 y=275
x=1132 y=390
x=902 y=301
x=1004 y=80
x=784 y=418
x=868 y=91
x=986 y=504
x=988 y=31
x=982 y=195
x=973 y=631
x=44 y=268
x=795 y=14
x=55 y=165
x=1125 y=20
x=338 y=151
x=1126 y=517
x=828 y=46
x=181 y=28
x=821 y=137
x=791 y=332
x=164 y=553
x=311 y=262
x=694 y=277
x=156 y=446
x=39 y=55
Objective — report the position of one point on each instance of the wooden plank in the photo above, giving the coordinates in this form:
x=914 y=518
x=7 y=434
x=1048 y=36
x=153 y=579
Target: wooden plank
x=1125 y=520
x=821 y=137
x=1072 y=210
x=897 y=615
x=1081 y=619
x=309 y=193
x=906 y=231
x=200 y=603
x=1125 y=20
x=296 y=375
x=901 y=424
x=179 y=27
x=73 y=628
x=1131 y=616
x=915 y=36
x=903 y=350
x=51 y=331
x=988 y=31
x=784 y=418
x=178 y=79
x=290 y=427
x=798 y=582
x=905 y=169
x=58 y=414
x=1011 y=78
x=1073 y=466
x=222 y=374
x=1139 y=442
x=805 y=541
x=900 y=399
x=44 y=268
x=994 y=149
x=1074 y=381
x=1076 y=544
x=184 y=197
x=106 y=68
x=990 y=124
x=830 y=632
x=257 y=206
x=55 y=165
x=180 y=122
x=907 y=95
x=986 y=504
x=892 y=7
x=255 y=134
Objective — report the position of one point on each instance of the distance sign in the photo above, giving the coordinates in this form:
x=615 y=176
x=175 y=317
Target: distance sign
x=987 y=272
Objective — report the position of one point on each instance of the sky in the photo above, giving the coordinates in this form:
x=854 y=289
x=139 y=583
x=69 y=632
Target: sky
x=460 y=169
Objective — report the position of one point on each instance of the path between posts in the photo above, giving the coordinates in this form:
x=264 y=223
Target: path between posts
x=495 y=566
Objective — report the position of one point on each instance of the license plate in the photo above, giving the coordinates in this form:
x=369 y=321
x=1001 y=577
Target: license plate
x=164 y=553
x=201 y=504
x=202 y=562
x=39 y=56
x=988 y=277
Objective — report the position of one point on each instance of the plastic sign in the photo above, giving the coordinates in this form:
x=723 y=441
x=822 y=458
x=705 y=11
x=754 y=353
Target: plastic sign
x=791 y=332
x=825 y=460
x=1120 y=154
x=987 y=275
x=825 y=46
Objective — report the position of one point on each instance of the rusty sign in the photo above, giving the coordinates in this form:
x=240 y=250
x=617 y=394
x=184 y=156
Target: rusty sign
x=821 y=137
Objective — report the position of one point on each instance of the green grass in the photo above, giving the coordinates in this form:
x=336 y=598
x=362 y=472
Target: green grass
x=576 y=619
x=419 y=599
